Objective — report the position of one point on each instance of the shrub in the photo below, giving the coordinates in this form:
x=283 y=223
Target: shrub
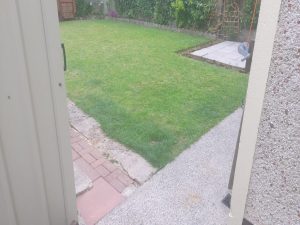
x=112 y=13
x=145 y=9
x=186 y=13
x=181 y=13
x=200 y=11
x=163 y=13
x=193 y=13
x=137 y=9
x=83 y=8
x=248 y=13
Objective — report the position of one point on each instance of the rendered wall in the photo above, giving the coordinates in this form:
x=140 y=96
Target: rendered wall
x=274 y=191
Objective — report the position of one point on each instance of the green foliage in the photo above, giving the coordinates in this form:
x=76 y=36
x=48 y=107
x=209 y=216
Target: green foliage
x=83 y=8
x=193 y=13
x=181 y=14
x=163 y=12
x=248 y=13
x=137 y=9
x=187 y=13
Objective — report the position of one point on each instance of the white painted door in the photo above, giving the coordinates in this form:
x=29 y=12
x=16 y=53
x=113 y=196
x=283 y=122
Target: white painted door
x=36 y=177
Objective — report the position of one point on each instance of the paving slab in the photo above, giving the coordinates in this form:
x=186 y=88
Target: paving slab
x=190 y=189
x=82 y=181
x=225 y=52
x=97 y=202
x=213 y=48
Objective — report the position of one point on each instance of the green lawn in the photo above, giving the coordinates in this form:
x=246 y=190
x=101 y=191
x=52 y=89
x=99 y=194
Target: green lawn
x=144 y=94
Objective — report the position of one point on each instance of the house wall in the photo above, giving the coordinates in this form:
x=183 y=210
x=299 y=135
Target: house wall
x=274 y=191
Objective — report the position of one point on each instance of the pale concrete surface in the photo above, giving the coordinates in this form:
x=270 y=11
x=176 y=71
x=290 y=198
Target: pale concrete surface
x=136 y=166
x=274 y=191
x=225 y=52
x=189 y=190
x=82 y=181
x=80 y=220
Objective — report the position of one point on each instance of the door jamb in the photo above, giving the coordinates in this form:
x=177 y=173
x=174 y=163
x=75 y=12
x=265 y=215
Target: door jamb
x=265 y=37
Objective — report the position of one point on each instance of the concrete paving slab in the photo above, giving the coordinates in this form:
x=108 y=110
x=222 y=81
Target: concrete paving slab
x=189 y=190
x=82 y=181
x=225 y=52
x=213 y=48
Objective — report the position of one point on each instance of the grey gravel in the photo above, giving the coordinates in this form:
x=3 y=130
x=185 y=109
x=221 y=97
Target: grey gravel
x=274 y=190
x=189 y=190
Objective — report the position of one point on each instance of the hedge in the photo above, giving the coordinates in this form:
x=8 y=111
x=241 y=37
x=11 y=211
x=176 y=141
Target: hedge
x=186 y=13
x=248 y=13
x=195 y=14
x=136 y=9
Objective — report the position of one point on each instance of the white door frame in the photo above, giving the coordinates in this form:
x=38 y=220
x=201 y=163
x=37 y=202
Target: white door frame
x=266 y=30
x=36 y=171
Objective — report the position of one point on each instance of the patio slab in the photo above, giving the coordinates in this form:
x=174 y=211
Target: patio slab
x=190 y=189
x=225 y=52
x=82 y=181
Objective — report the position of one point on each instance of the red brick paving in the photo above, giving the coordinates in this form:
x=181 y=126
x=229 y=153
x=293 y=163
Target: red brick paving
x=98 y=163
x=118 y=185
x=108 y=180
x=97 y=202
x=75 y=155
x=102 y=171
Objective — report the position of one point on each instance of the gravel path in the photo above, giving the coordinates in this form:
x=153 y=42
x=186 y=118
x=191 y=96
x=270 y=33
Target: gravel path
x=189 y=190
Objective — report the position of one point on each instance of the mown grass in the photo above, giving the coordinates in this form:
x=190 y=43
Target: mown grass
x=145 y=95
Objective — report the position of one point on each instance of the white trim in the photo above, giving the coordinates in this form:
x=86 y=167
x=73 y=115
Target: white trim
x=58 y=90
x=268 y=19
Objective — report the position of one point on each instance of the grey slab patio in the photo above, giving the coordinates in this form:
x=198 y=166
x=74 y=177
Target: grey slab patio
x=225 y=52
x=189 y=190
